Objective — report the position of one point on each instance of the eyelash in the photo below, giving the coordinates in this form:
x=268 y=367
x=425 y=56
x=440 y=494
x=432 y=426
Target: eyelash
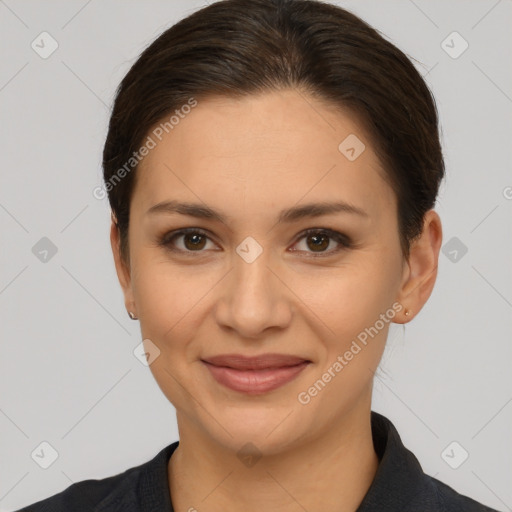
x=343 y=240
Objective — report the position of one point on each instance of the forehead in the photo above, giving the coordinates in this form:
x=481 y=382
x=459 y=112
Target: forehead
x=274 y=148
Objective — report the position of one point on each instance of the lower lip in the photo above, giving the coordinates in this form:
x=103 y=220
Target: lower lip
x=255 y=382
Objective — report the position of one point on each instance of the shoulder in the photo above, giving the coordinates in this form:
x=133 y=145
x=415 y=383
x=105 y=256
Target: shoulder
x=449 y=500
x=89 y=494
x=84 y=495
x=400 y=482
x=121 y=492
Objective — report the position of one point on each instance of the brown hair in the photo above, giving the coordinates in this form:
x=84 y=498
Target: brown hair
x=241 y=47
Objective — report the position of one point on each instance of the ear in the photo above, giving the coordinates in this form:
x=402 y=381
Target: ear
x=420 y=271
x=122 y=267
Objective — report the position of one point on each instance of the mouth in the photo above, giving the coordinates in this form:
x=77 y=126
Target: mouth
x=255 y=375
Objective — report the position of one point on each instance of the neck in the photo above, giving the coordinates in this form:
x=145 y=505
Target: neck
x=331 y=472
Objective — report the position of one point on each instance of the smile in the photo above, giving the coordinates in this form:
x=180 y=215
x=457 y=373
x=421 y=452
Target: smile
x=255 y=375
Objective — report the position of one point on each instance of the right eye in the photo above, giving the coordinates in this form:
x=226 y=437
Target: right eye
x=193 y=240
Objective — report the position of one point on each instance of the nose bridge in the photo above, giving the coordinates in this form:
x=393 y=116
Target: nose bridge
x=253 y=298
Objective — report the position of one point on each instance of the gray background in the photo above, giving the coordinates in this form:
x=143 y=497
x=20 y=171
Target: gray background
x=68 y=375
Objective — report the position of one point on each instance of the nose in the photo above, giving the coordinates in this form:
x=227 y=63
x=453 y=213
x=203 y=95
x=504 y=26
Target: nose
x=254 y=298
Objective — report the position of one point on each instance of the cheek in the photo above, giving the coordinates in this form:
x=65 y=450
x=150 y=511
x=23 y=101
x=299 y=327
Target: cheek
x=171 y=300
x=356 y=307
x=352 y=296
x=171 y=313
x=352 y=310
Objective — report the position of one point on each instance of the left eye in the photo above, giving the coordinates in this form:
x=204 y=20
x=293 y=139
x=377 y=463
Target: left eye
x=195 y=240
x=321 y=239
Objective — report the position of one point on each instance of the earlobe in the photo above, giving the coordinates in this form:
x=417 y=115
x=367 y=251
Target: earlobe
x=421 y=268
x=122 y=268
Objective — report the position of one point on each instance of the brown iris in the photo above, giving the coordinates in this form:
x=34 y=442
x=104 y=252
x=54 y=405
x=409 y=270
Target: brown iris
x=197 y=241
x=324 y=241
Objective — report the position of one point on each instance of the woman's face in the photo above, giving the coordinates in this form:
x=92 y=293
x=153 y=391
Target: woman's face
x=255 y=283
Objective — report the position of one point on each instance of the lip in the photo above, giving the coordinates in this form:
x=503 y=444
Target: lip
x=255 y=375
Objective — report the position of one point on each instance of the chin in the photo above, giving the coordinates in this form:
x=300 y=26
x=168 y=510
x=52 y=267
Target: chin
x=268 y=430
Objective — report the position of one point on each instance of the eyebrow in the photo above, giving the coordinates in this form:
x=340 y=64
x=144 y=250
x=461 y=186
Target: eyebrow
x=287 y=215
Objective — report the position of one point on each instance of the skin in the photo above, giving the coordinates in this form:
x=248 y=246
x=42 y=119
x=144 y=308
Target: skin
x=250 y=158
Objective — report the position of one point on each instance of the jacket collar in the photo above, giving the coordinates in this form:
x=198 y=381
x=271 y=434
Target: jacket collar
x=399 y=481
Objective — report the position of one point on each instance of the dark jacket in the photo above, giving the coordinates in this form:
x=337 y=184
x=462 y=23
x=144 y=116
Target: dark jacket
x=400 y=485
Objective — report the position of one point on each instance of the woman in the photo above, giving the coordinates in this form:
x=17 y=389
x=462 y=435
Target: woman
x=272 y=168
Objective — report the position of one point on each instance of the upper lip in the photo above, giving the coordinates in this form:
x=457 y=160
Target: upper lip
x=263 y=361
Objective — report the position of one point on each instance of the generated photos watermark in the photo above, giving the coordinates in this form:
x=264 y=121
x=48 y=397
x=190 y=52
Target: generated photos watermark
x=101 y=191
x=342 y=360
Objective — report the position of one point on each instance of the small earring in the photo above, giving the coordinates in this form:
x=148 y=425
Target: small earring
x=132 y=315
x=407 y=312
